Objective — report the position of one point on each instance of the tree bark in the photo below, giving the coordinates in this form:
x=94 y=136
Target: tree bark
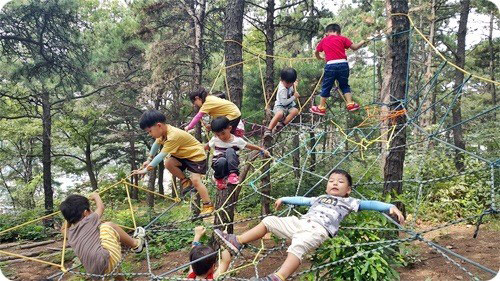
x=161 y=172
x=46 y=149
x=269 y=85
x=426 y=118
x=492 y=61
x=296 y=155
x=458 y=137
x=233 y=31
x=90 y=167
x=133 y=166
x=151 y=186
x=393 y=169
x=385 y=88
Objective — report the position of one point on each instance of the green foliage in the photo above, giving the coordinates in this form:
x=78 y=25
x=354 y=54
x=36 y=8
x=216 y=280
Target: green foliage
x=33 y=231
x=377 y=265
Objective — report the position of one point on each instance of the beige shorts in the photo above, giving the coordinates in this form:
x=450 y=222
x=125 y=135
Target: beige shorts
x=305 y=235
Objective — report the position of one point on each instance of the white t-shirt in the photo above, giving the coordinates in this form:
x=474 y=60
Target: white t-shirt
x=220 y=147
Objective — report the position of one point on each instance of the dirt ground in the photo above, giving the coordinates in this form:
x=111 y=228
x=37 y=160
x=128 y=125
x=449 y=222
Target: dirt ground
x=429 y=265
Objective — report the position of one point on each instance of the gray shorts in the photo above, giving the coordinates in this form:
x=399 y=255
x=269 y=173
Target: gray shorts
x=285 y=109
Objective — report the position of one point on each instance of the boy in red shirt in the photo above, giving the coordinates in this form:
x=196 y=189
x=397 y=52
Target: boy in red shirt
x=336 y=68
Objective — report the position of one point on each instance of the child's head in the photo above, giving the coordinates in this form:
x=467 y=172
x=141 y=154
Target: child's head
x=74 y=208
x=288 y=76
x=153 y=121
x=339 y=183
x=220 y=95
x=206 y=265
x=332 y=28
x=221 y=128
x=198 y=97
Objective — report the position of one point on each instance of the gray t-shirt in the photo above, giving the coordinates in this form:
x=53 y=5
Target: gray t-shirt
x=284 y=96
x=84 y=238
x=329 y=211
x=220 y=147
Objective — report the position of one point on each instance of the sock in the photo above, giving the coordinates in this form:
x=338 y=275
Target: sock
x=279 y=276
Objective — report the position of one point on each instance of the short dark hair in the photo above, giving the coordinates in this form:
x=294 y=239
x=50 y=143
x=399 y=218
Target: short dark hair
x=203 y=266
x=344 y=173
x=333 y=27
x=219 y=124
x=73 y=207
x=220 y=95
x=200 y=93
x=288 y=75
x=151 y=117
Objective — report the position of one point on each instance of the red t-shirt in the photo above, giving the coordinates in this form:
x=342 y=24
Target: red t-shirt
x=334 y=47
x=192 y=275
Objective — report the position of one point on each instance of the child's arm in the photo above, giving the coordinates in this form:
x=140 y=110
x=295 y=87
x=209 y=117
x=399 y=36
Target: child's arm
x=99 y=210
x=194 y=121
x=355 y=46
x=207 y=147
x=373 y=205
x=225 y=261
x=318 y=55
x=281 y=97
x=254 y=147
x=158 y=158
x=295 y=200
x=199 y=231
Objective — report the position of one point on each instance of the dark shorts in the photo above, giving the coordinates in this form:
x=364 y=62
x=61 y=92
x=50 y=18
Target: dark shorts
x=234 y=124
x=197 y=167
x=338 y=72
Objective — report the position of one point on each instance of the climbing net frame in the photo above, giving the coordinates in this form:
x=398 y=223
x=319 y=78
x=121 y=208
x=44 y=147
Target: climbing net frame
x=363 y=144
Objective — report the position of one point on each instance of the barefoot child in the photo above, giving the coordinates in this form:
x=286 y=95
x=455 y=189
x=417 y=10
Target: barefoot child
x=336 y=68
x=205 y=268
x=312 y=229
x=186 y=152
x=284 y=108
x=226 y=146
x=96 y=244
x=215 y=107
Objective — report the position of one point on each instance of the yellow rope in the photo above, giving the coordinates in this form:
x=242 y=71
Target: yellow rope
x=441 y=55
x=130 y=205
x=177 y=199
x=29 y=258
x=64 y=243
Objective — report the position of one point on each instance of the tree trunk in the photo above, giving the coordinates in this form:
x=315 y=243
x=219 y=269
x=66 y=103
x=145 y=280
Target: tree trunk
x=458 y=137
x=233 y=31
x=385 y=88
x=296 y=155
x=312 y=147
x=426 y=118
x=151 y=186
x=161 y=172
x=492 y=61
x=197 y=14
x=46 y=149
x=133 y=166
x=90 y=167
x=269 y=85
x=394 y=163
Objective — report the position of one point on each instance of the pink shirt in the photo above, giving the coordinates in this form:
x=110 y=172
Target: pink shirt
x=334 y=47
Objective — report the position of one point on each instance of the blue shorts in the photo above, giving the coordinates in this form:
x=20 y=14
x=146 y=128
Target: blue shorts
x=335 y=71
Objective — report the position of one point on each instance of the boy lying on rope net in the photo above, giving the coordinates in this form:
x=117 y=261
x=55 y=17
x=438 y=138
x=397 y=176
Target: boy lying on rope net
x=97 y=244
x=312 y=229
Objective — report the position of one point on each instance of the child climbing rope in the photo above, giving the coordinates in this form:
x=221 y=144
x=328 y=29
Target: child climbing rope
x=284 y=108
x=96 y=244
x=215 y=107
x=312 y=229
x=336 y=68
x=186 y=152
x=226 y=146
x=205 y=268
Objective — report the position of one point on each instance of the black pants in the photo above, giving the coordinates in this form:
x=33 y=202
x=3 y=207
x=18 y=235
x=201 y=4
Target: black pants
x=226 y=164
